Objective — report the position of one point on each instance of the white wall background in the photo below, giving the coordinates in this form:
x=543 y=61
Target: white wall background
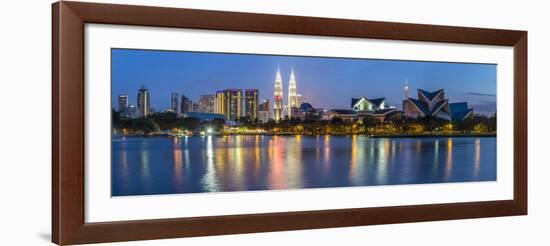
x=25 y=137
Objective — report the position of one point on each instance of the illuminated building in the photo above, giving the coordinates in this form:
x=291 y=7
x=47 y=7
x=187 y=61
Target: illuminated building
x=122 y=102
x=207 y=104
x=144 y=102
x=362 y=107
x=174 y=105
x=364 y=104
x=299 y=100
x=278 y=97
x=434 y=104
x=264 y=111
x=130 y=112
x=229 y=103
x=307 y=112
x=251 y=103
x=292 y=99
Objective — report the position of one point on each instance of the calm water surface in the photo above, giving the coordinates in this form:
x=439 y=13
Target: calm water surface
x=166 y=165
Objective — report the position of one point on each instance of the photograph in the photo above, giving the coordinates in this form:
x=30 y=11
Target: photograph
x=199 y=122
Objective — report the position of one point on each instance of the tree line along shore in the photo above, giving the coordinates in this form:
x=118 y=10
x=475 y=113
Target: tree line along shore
x=399 y=126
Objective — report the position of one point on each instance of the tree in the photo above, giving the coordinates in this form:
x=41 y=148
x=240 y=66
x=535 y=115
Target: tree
x=189 y=123
x=336 y=121
x=165 y=120
x=215 y=124
x=369 y=124
x=146 y=125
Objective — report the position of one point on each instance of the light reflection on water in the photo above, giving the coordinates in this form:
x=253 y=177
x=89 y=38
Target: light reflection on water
x=163 y=165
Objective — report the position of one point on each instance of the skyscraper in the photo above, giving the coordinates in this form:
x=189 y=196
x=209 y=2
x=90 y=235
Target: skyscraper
x=299 y=100
x=122 y=102
x=229 y=103
x=174 y=97
x=278 y=97
x=264 y=110
x=292 y=100
x=186 y=105
x=144 y=102
x=207 y=104
x=406 y=89
x=264 y=106
x=251 y=103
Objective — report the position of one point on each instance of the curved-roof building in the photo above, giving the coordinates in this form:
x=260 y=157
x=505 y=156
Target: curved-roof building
x=434 y=104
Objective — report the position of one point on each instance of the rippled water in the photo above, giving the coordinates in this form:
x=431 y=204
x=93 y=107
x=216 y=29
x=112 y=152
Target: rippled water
x=167 y=165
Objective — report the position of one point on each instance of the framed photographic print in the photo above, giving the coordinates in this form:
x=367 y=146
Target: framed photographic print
x=175 y=122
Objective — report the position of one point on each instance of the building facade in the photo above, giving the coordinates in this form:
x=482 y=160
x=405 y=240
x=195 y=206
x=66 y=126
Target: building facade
x=307 y=112
x=186 y=105
x=144 y=102
x=130 y=112
x=229 y=103
x=434 y=104
x=122 y=102
x=278 y=97
x=205 y=116
x=364 y=107
x=207 y=104
x=293 y=104
x=251 y=98
x=174 y=105
x=264 y=111
x=364 y=104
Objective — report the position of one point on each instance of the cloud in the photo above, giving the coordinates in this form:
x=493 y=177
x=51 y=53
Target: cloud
x=480 y=94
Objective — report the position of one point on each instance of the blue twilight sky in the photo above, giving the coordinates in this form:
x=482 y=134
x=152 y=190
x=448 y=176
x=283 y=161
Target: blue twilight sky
x=324 y=82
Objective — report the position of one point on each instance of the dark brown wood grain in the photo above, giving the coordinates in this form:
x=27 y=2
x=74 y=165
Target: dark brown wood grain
x=68 y=224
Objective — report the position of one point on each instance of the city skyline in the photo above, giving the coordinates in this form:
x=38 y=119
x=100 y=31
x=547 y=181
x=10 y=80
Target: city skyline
x=324 y=82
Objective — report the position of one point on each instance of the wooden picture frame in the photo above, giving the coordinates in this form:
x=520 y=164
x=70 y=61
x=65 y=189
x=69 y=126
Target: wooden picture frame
x=68 y=110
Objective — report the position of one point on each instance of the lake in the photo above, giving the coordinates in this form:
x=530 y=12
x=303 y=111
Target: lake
x=169 y=165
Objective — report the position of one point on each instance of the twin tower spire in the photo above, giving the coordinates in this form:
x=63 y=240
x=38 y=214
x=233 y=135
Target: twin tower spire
x=293 y=101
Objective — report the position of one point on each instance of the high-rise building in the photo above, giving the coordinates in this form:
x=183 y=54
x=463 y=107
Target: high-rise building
x=122 y=102
x=251 y=103
x=299 y=100
x=195 y=107
x=174 y=105
x=264 y=111
x=207 y=104
x=264 y=105
x=292 y=100
x=131 y=112
x=144 y=102
x=186 y=105
x=278 y=97
x=229 y=103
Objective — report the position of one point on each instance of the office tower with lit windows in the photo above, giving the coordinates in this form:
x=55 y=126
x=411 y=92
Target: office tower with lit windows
x=299 y=100
x=229 y=103
x=278 y=97
x=207 y=104
x=251 y=103
x=292 y=97
x=264 y=111
x=122 y=102
x=174 y=105
x=144 y=102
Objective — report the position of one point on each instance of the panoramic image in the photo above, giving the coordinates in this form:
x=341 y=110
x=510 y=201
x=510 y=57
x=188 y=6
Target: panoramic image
x=198 y=122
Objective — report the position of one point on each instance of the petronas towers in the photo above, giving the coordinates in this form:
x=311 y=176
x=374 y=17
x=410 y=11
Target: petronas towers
x=294 y=100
